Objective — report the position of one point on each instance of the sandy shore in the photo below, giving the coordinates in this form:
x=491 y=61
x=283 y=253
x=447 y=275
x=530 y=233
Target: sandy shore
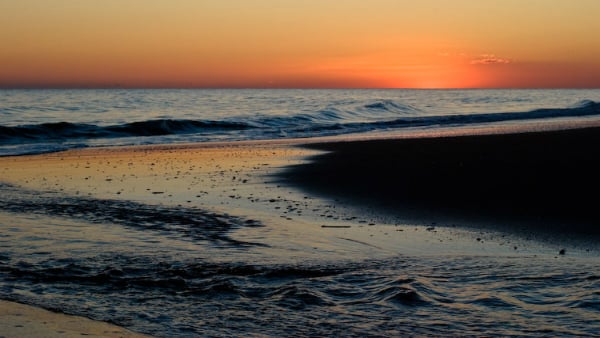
x=338 y=200
x=201 y=176
x=540 y=179
x=18 y=320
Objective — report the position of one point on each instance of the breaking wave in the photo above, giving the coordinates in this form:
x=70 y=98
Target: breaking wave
x=66 y=130
x=334 y=119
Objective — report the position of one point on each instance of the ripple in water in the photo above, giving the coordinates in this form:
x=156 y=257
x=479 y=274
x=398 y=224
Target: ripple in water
x=164 y=296
x=193 y=286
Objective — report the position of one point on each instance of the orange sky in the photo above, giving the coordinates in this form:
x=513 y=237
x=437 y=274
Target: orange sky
x=302 y=43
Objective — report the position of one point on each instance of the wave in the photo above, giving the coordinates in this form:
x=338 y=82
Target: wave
x=586 y=108
x=67 y=130
x=389 y=105
x=341 y=118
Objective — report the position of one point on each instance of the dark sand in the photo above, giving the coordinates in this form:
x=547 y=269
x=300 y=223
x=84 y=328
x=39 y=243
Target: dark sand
x=547 y=178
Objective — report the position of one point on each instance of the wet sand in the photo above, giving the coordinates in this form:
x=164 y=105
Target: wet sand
x=18 y=320
x=548 y=179
x=317 y=193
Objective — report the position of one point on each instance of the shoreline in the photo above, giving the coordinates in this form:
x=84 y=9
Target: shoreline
x=21 y=320
x=452 y=172
x=404 y=133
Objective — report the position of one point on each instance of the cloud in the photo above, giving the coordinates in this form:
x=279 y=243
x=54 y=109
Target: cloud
x=489 y=59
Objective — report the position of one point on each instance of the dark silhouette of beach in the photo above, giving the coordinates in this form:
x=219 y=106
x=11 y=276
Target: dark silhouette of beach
x=549 y=178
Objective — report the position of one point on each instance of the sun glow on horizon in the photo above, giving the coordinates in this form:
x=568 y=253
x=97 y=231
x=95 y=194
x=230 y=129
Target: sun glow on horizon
x=291 y=44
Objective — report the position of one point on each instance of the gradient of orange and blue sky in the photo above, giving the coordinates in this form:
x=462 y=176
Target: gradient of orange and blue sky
x=302 y=44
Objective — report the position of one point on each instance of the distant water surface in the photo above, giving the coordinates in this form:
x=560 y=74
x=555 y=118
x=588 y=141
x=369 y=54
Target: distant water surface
x=37 y=121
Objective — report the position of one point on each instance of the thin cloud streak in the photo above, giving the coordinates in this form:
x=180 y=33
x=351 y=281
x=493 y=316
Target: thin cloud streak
x=490 y=59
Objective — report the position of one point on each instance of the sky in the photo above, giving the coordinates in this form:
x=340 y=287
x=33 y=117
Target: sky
x=300 y=44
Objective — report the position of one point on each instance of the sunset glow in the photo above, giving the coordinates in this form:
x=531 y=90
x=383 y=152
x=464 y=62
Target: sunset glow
x=299 y=44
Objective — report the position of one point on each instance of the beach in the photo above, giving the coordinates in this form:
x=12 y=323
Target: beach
x=164 y=218
x=299 y=169
x=18 y=320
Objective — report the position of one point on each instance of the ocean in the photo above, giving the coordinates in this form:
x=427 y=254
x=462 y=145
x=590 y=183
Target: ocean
x=38 y=121
x=210 y=242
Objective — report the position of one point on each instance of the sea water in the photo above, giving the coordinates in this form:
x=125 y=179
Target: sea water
x=175 y=270
x=37 y=121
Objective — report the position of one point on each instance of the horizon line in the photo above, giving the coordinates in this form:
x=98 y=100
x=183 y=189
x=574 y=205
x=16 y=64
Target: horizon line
x=282 y=88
